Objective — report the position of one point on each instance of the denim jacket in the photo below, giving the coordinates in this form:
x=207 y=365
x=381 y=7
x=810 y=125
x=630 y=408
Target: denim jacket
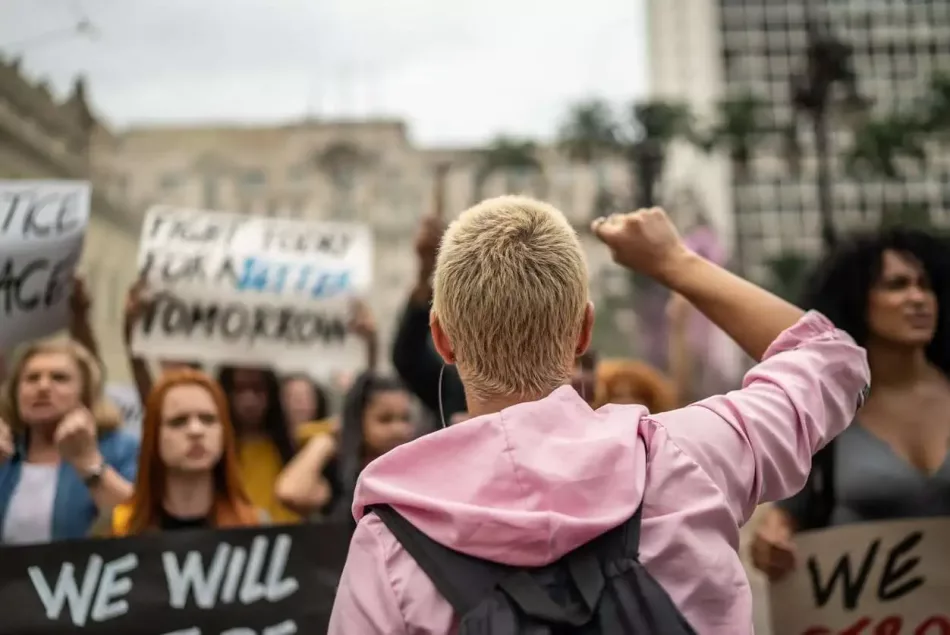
x=74 y=511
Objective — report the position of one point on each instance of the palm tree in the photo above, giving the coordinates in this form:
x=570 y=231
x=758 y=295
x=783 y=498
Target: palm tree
x=936 y=115
x=912 y=215
x=740 y=127
x=881 y=142
x=787 y=274
x=641 y=136
x=515 y=157
x=592 y=132
x=828 y=65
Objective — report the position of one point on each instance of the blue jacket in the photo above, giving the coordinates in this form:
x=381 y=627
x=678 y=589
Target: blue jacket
x=74 y=511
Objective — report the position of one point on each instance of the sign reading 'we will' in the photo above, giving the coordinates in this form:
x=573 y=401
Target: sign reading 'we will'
x=267 y=581
x=868 y=579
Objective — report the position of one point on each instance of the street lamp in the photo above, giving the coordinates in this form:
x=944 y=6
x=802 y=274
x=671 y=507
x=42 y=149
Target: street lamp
x=828 y=64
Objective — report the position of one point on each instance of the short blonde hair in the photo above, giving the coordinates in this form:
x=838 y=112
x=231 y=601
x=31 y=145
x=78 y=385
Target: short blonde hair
x=510 y=291
x=106 y=414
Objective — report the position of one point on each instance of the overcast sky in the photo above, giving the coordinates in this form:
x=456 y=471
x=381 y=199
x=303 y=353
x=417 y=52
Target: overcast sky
x=459 y=71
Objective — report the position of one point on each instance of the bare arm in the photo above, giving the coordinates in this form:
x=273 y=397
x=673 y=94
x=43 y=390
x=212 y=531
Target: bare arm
x=301 y=486
x=750 y=315
x=647 y=242
x=135 y=303
x=112 y=489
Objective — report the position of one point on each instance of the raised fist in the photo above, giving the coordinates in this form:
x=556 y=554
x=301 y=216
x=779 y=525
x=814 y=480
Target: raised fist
x=644 y=241
x=75 y=438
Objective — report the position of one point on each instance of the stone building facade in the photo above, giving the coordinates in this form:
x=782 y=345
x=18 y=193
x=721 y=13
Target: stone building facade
x=357 y=171
x=43 y=138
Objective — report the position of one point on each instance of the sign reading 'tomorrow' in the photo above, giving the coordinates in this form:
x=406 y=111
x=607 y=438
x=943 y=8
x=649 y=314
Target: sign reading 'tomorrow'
x=241 y=289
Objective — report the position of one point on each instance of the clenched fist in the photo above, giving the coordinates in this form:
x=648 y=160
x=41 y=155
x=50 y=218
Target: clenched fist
x=75 y=438
x=6 y=441
x=644 y=241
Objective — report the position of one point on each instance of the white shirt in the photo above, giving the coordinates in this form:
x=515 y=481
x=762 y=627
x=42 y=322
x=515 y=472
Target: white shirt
x=29 y=518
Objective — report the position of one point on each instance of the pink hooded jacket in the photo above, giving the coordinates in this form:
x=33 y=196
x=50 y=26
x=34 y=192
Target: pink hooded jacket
x=533 y=482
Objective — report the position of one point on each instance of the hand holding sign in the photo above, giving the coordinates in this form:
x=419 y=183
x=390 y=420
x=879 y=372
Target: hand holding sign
x=75 y=438
x=773 y=550
x=137 y=301
x=79 y=300
x=362 y=323
x=6 y=441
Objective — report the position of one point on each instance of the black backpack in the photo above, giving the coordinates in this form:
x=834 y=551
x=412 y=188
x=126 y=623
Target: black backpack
x=598 y=589
x=821 y=494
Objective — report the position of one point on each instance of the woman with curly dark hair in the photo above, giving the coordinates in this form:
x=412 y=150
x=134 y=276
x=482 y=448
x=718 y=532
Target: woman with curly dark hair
x=886 y=291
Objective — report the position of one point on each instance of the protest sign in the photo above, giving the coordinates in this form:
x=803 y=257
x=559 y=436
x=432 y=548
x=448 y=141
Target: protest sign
x=266 y=581
x=235 y=289
x=42 y=225
x=867 y=579
x=126 y=399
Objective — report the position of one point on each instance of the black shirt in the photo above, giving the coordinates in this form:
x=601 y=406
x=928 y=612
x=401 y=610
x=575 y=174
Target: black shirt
x=169 y=522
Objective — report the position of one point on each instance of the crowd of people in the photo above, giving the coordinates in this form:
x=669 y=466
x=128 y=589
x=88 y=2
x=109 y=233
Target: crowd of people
x=528 y=445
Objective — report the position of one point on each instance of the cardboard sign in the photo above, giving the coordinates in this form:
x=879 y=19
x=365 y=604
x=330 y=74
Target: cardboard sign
x=868 y=579
x=267 y=581
x=235 y=289
x=42 y=225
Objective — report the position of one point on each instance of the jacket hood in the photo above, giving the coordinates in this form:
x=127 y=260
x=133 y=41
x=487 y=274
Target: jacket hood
x=523 y=486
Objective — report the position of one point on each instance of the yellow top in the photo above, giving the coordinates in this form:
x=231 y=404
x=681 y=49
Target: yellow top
x=260 y=466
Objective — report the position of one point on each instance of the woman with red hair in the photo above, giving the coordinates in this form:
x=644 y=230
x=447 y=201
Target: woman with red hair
x=188 y=472
x=623 y=381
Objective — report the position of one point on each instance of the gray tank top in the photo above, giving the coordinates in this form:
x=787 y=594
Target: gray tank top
x=872 y=483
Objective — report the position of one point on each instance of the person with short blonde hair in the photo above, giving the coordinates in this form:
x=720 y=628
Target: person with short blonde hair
x=516 y=318
x=535 y=473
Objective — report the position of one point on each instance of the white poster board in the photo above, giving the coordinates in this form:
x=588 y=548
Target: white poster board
x=245 y=290
x=868 y=579
x=42 y=225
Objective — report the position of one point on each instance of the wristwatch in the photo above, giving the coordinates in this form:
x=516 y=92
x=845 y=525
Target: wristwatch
x=92 y=477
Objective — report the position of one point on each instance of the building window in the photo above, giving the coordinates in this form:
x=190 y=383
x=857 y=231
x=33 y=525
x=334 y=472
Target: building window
x=253 y=178
x=169 y=181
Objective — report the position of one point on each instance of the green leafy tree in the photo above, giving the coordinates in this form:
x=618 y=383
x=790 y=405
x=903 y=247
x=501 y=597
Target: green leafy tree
x=936 y=112
x=787 y=274
x=880 y=143
x=740 y=127
x=514 y=157
x=640 y=134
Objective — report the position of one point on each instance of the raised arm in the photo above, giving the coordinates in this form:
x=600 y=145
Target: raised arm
x=413 y=357
x=136 y=302
x=756 y=443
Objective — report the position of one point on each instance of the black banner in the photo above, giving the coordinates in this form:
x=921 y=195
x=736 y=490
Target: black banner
x=268 y=581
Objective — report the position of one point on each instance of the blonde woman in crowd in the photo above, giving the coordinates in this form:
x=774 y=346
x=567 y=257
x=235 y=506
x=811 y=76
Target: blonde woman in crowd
x=188 y=471
x=536 y=473
x=63 y=458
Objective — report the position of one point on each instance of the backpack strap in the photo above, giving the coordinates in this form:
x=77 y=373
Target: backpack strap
x=462 y=580
x=820 y=488
x=587 y=575
x=631 y=531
